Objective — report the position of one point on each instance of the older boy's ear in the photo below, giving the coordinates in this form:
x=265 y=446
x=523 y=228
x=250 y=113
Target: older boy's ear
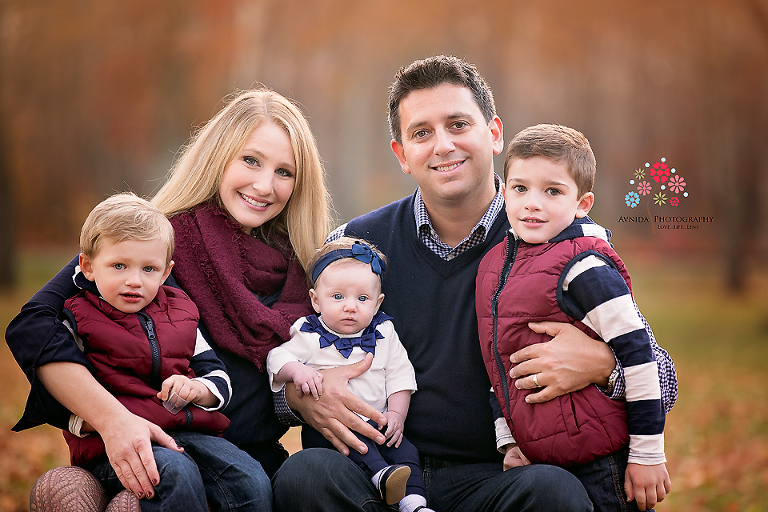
x=399 y=152
x=86 y=266
x=585 y=204
x=313 y=297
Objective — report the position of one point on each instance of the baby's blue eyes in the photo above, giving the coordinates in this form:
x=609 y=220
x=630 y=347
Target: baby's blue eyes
x=362 y=298
x=338 y=296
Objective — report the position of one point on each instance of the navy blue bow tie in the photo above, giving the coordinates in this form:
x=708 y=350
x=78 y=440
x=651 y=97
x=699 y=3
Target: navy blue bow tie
x=366 y=341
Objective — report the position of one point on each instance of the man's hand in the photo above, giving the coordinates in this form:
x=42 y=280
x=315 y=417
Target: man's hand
x=333 y=414
x=128 y=440
x=647 y=485
x=570 y=361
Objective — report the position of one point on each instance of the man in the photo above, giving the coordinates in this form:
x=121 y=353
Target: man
x=445 y=132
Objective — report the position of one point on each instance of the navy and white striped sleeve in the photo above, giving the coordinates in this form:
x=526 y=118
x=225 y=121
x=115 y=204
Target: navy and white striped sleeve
x=667 y=372
x=594 y=292
x=211 y=371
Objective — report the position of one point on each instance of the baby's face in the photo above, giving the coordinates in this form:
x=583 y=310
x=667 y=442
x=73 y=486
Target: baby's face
x=347 y=294
x=128 y=273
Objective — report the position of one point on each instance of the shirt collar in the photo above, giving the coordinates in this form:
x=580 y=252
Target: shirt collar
x=429 y=237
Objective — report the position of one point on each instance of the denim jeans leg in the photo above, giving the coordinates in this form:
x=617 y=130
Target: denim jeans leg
x=485 y=487
x=603 y=478
x=233 y=480
x=323 y=480
x=180 y=488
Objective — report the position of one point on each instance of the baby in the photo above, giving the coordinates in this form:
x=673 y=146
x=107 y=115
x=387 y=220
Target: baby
x=346 y=293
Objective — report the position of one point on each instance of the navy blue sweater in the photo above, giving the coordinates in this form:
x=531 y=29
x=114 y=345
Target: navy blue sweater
x=433 y=305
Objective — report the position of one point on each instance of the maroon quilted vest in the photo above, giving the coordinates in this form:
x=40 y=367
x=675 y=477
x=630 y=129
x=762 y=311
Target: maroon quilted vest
x=132 y=365
x=570 y=429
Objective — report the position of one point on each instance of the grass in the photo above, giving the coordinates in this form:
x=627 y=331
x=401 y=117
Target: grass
x=716 y=435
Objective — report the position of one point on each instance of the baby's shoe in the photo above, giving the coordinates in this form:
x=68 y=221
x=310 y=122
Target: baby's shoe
x=414 y=503
x=391 y=482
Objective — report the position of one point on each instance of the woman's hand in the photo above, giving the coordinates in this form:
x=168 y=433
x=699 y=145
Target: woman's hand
x=128 y=441
x=570 y=361
x=333 y=414
x=127 y=437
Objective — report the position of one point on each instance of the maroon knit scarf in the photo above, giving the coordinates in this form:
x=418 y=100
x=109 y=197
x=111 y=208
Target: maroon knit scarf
x=225 y=271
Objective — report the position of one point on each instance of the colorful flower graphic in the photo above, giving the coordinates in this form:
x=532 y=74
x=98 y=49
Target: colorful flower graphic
x=676 y=184
x=632 y=199
x=660 y=172
x=651 y=183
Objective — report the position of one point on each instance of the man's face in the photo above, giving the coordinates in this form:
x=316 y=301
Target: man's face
x=446 y=144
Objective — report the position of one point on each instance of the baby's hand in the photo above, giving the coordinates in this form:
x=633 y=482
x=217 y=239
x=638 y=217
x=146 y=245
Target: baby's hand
x=307 y=381
x=647 y=485
x=395 y=426
x=187 y=389
x=514 y=458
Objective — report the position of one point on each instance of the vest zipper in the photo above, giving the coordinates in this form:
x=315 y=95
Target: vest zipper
x=149 y=329
x=512 y=245
x=187 y=417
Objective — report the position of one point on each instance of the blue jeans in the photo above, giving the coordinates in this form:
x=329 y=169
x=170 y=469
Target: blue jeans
x=211 y=472
x=338 y=484
x=603 y=478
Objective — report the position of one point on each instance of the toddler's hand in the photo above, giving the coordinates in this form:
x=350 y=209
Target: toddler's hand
x=307 y=381
x=395 y=426
x=514 y=458
x=647 y=485
x=186 y=388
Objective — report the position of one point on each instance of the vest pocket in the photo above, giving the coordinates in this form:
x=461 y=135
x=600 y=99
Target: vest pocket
x=569 y=414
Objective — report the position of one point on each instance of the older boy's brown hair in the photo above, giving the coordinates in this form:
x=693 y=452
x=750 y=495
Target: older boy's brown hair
x=125 y=217
x=560 y=144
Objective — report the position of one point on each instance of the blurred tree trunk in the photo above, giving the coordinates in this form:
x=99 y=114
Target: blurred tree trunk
x=7 y=215
x=735 y=128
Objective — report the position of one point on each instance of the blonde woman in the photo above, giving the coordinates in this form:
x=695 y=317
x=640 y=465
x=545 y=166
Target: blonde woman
x=249 y=206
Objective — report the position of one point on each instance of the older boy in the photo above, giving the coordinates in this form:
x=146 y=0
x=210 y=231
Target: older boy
x=557 y=264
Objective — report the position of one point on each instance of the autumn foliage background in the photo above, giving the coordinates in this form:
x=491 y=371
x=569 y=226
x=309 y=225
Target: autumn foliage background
x=98 y=96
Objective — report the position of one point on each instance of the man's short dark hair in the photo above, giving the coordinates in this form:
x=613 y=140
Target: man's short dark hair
x=431 y=72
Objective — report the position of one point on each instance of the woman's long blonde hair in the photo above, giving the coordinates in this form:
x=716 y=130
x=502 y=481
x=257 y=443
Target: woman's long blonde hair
x=196 y=175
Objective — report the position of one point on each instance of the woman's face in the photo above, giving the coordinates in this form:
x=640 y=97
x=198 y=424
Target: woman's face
x=257 y=184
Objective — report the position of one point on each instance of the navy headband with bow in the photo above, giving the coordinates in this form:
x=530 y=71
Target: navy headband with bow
x=359 y=251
